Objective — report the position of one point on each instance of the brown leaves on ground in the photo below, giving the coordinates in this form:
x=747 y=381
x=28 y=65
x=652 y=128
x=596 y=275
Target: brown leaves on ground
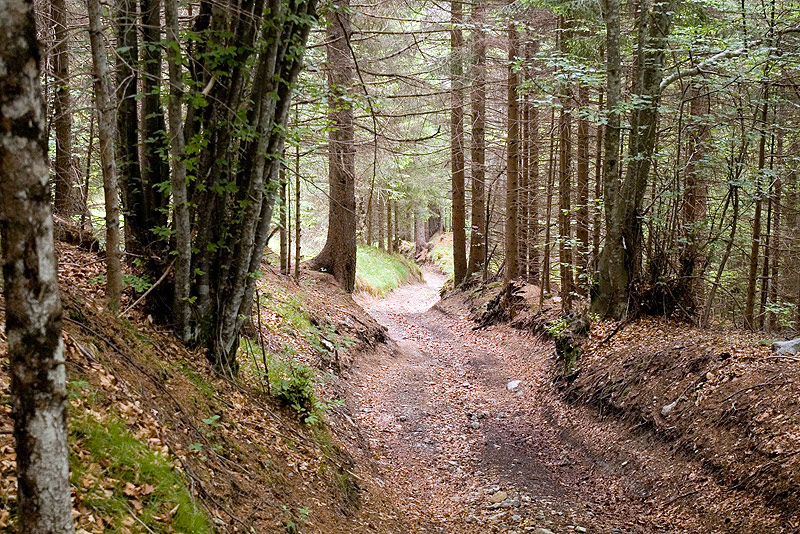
x=720 y=396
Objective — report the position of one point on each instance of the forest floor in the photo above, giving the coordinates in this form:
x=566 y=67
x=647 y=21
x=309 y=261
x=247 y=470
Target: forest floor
x=473 y=436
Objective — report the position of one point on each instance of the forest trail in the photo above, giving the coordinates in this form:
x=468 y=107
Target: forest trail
x=463 y=450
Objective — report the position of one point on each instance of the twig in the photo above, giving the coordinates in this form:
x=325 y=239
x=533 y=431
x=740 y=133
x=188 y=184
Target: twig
x=152 y=287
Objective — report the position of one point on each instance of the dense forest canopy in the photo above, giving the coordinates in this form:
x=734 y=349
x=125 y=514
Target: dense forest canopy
x=640 y=154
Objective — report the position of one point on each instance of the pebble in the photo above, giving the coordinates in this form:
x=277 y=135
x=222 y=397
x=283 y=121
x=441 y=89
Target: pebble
x=514 y=384
x=498 y=497
x=475 y=425
x=580 y=529
x=543 y=531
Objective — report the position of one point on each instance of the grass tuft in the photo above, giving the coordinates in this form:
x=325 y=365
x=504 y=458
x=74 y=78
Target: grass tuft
x=379 y=272
x=123 y=478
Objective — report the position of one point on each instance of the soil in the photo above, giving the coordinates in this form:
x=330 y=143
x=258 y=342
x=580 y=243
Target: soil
x=464 y=448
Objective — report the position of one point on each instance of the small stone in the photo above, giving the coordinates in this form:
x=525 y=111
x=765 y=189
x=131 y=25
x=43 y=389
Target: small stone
x=475 y=425
x=511 y=503
x=497 y=516
x=580 y=529
x=516 y=517
x=543 y=531
x=514 y=384
x=498 y=497
x=402 y=418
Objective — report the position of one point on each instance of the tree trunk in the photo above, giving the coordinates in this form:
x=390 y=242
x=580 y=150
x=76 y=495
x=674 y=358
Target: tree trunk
x=297 y=229
x=66 y=177
x=180 y=214
x=545 y=286
x=597 y=216
x=127 y=151
x=510 y=271
x=582 y=209
x=752 y=274
x=155 y=170
x=284 y=229
x=105 y=131
x=620 y=260
x=694 y=200
x=457 y=143
x=381 y=216
x=30 y=284
x=338 y=256
x=777 y=237
x=389 y=247
x=523 y=197
x=477 y=249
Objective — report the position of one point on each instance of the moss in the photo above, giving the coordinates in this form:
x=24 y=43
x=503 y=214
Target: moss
x=121 y=474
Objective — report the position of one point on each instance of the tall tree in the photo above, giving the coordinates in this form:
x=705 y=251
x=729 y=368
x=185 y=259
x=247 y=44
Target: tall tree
x=457 y=142
x=565 y=249
x=477 y=249
x=338 y=256
x=127 y=152
x=66 y=177
x=105 y=131
x=155 y=166
x=512 y=167
x=30 y=283
x=620 y=260
x=181 y=219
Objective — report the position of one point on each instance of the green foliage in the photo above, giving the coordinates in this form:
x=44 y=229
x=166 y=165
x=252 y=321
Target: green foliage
x=378 y=272
x=132 y=476
x=292 y=382
x=442 y=255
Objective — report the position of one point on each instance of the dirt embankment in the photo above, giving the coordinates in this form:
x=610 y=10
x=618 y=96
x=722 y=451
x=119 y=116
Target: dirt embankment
x=237 y=458
x=719 y=396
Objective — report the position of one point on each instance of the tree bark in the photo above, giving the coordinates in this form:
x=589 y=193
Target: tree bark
x=338 y=256
x=284 y=229
x=620 y=260
x=155 y=169
x=752 y=274
x=511 y=271
x=180 y=213
x=127 y=152
x=694 y=199
x=105 y=131
x=457 y=143
x=582 y=209
x=30 y=284
x=67 y=189
x=477 y=249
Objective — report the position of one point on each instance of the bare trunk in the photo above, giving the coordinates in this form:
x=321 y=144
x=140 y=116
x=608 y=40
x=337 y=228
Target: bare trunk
x=284 y=228
x=297 y=229
x=155 y=169
x=749 y=309
x=582 y=209
x=477 y=248
x=512 y=167
x=457 y=143
x=105 y=130
x=694 y=200
x=339 y=254
x=30 y=284
x=620 y=260
x=180 y=214
x=67 y=189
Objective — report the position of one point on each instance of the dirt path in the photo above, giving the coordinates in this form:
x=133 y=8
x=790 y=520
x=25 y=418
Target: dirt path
x=466 y=448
